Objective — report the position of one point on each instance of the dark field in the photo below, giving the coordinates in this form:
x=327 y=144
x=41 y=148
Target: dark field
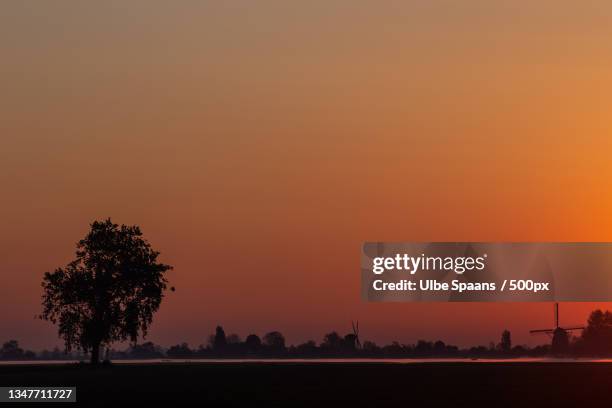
x=320 y=384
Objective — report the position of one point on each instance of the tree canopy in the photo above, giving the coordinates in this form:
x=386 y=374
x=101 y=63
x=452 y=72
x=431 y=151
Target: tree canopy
x=109 y=292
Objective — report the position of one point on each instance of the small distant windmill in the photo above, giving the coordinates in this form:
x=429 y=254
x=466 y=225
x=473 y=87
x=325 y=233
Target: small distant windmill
x=560 y=335
x=356 y=333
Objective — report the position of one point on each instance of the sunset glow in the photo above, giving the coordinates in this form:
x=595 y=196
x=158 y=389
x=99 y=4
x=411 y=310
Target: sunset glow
x=258 y=144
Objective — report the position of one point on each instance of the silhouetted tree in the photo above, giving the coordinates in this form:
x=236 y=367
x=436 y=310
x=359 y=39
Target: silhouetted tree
x=252 y=343
x=307 y=348
x=439 y=348
x=145 y=350
x=423 y=347
x=233 y=339
x=179 y=350
x=505 y=344
x=370 y=347
x=109 y=292
x=11 y=351
x=332 y=341
x=478 y=351
x=393 y=349
x=541 y=350
x=275 y=341
x=597 y=337
x=220 y=342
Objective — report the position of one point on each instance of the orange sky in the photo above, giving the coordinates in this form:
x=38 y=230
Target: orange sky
x=258 y=145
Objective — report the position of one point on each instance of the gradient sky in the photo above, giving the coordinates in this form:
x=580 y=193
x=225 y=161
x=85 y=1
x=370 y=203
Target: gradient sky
x=258 y=144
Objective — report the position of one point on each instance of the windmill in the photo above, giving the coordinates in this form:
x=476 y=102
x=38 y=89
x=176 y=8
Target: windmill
x=356 y=333
x=560 y=335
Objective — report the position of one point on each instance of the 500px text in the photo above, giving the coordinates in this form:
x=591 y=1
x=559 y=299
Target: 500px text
x=432 y=285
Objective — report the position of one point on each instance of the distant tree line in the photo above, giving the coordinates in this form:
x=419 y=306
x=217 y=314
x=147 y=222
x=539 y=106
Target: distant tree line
x=595 y=341
x=11 y=351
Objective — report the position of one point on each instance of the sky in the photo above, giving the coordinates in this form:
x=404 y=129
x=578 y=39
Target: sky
x=258 y=144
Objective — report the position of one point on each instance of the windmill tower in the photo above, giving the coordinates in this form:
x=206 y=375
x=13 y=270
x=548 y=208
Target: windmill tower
x=351 y=340
x=356 y=333
x=560 y=335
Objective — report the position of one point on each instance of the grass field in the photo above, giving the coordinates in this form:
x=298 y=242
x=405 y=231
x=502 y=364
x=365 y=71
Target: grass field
x=320 y=384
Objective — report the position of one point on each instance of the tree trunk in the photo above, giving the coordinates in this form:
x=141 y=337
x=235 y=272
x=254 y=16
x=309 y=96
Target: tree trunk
x=95 y=354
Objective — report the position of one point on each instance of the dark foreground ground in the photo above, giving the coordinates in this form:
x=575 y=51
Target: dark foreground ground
x=359 y=384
